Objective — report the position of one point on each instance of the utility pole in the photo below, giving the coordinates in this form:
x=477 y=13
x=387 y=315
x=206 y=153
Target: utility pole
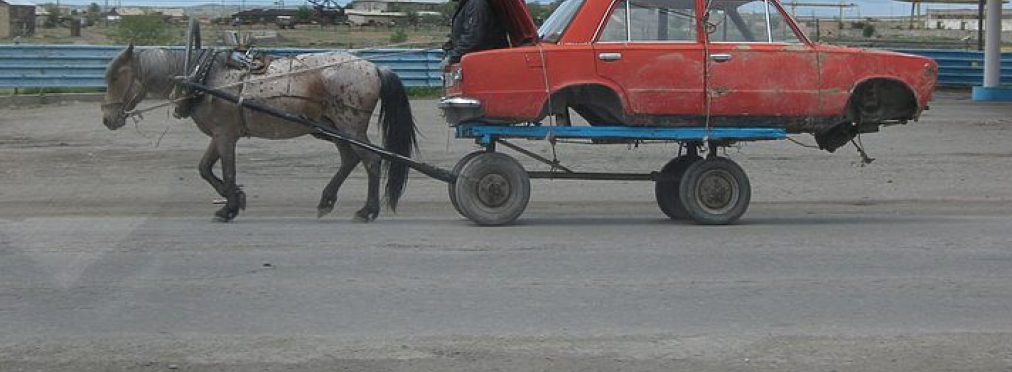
x=980 y=25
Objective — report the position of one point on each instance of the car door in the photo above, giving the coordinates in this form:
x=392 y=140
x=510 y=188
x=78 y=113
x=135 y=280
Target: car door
x=652 y=52
x=759 y=65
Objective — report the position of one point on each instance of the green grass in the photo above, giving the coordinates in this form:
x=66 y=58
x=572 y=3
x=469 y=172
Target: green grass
x=425 y=92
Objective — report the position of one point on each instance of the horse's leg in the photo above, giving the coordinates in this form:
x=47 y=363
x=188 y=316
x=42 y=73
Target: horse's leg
x=349 y=160
x=207 y=165
x=235 y=196
x=372 y=202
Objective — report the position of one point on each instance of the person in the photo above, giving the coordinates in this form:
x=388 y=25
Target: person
x=476 y=26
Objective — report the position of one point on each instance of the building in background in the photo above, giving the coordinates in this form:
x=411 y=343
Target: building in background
x=395 y=5
x=17 y=18
x=960 y=19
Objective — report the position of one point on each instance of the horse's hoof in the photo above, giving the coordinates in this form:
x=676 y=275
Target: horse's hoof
x=320 y=212
x=224 y=215
x=325 y=207
x=362 y=216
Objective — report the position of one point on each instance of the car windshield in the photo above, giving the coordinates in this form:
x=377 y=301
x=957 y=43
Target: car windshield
x=556 y=24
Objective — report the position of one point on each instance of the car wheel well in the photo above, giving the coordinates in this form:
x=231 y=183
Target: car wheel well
x=874 y=103
x=880 y=101
x=598 y=104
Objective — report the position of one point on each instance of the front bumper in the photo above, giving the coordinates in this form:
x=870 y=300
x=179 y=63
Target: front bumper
x=460 y=109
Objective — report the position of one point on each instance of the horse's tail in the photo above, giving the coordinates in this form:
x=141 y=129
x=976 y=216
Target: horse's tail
x=398 y=127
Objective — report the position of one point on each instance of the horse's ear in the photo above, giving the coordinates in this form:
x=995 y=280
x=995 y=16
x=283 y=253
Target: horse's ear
x=123 y=56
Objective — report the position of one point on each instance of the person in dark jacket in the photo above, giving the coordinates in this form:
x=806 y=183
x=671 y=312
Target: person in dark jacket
x=476 y=26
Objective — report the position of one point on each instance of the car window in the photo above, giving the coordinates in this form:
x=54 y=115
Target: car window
x=556 y=23
x=650 y=21
x=755 y=21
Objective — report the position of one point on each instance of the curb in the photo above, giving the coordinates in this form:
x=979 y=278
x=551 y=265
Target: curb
x=47 y=99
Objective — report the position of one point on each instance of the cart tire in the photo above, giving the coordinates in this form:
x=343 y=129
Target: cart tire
x=666 y=190
x=492 y=189
x=715 y=191
x=193 y=45
x=456 y=170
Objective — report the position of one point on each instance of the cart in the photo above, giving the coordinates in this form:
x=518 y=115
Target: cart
x=492 y=188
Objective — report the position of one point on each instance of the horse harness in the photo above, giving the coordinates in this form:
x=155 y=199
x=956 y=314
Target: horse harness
x=190 y=96
x=249 y=62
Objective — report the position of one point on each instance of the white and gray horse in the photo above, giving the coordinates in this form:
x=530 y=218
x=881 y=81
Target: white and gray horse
x=341 y=91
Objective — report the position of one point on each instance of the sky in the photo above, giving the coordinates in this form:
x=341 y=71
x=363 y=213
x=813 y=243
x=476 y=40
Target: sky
x=865 y=7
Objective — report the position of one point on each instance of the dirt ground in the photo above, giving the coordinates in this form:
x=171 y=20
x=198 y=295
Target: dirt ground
x=109 y=259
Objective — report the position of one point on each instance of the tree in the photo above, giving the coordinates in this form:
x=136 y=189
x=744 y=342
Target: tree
x=869 y=30
x=143 y=30
x=53 y=15
x=94 y=14
x=304 y=14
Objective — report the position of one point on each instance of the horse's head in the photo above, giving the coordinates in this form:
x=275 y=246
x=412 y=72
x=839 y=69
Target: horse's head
x=124 y=89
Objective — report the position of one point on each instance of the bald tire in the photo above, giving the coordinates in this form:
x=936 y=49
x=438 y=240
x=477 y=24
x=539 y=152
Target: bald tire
x=492 y=189
x=666 y=190
x=456 y=170
x=715 y=191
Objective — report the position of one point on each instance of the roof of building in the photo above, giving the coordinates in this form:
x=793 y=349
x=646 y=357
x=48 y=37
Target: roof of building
x=18 y=2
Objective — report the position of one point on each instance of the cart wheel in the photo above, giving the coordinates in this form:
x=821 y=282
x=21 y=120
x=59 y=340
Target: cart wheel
x=193 y=45
x=456 y=170
x=666 y=190
x=492 y=189
x=715 y=191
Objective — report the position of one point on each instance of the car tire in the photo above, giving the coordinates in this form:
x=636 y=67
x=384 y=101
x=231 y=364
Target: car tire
x=715 y=191
x=492 y=189
x=666 y=189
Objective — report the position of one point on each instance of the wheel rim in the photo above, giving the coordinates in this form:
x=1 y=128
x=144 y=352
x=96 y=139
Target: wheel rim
x=717 y=191
x=493 y=190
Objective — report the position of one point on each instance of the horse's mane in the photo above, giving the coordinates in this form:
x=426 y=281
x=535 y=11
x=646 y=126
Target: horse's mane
x=156 y=68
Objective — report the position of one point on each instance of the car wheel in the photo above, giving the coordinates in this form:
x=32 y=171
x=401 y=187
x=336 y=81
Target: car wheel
x=666 y=188
x=456 y=170
x=715 y=191
x=492 y=189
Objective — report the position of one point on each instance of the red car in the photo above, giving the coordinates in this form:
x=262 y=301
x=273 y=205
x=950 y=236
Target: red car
x=684 y=63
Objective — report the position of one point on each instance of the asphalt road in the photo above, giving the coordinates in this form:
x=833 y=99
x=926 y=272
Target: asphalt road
x=109 y=259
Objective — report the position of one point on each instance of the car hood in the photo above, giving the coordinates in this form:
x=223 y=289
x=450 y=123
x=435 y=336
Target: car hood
x=518 y=21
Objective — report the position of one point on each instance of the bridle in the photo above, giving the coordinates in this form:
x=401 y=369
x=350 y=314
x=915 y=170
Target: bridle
x=129 y=100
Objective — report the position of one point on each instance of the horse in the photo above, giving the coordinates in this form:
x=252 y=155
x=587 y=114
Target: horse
x=336 y=89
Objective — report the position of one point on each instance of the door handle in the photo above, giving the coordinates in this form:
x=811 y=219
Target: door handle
x=720 y=58
x=609 y=56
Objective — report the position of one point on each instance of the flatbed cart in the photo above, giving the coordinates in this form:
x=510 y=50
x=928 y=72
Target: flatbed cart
x=492 y=188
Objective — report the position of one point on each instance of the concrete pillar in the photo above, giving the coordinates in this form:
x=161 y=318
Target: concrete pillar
x=992 y=89
x=992 y=48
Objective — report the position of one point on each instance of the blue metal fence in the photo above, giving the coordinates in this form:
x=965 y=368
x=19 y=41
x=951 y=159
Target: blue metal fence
x=83 y=66
x=960 y=68
x=27 y=66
